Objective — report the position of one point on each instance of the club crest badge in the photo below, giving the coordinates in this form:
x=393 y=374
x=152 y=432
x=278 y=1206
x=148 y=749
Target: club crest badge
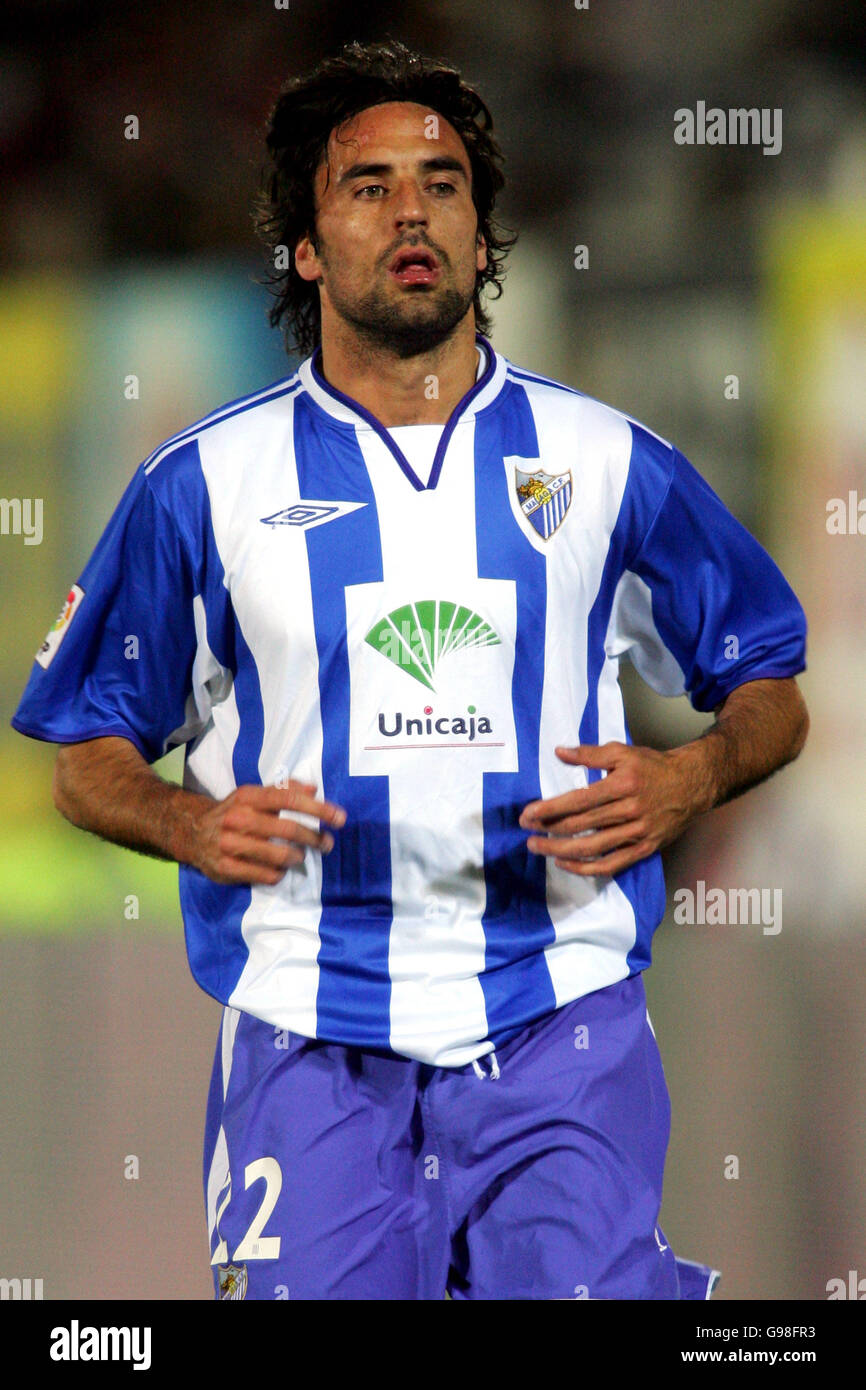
x=232 y=1281
x=544 y=499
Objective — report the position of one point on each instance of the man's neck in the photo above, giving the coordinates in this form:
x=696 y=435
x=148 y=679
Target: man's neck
x=420 y=390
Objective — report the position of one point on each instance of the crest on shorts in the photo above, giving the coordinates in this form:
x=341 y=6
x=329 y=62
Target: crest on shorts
x=544 y=499
x=232 y=1281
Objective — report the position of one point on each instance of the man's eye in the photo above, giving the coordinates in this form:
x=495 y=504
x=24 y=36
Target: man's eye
x=449 y=187
x=368 y=186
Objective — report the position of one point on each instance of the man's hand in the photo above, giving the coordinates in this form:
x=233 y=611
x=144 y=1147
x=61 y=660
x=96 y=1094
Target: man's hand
x=644 y=802
x=648 y=797
x=245 y=839
x=105 y=786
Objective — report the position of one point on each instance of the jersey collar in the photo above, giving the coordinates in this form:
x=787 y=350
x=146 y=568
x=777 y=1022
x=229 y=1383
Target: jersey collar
x=341 y=407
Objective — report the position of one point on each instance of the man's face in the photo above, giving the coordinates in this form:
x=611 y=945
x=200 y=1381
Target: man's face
x=398 y=247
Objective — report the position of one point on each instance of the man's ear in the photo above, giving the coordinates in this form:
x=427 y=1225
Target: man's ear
x=481 y=252
x=307 y=259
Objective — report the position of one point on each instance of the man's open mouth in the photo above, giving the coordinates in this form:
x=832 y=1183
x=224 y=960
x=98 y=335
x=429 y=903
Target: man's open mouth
x=414 y=265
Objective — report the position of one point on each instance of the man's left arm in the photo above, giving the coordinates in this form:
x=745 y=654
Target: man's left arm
x=648 y=797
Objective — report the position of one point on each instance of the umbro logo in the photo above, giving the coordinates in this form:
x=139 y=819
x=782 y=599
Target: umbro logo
x=310 y=513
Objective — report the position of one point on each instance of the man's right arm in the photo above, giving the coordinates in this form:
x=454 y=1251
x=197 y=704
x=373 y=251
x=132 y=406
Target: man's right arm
x=107 y=787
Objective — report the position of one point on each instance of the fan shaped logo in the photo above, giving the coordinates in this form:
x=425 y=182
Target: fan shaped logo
x=418 y=636
x=544 y=499
x=232 y=1281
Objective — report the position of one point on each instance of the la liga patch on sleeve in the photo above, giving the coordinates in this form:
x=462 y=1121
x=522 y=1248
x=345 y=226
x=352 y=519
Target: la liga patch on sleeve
x=48 y=650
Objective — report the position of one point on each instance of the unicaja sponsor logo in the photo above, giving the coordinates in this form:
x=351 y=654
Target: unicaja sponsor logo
x=21 y=1289
x=433 y=729
x=77 y=1343
x=418 y=636
x=736 y=126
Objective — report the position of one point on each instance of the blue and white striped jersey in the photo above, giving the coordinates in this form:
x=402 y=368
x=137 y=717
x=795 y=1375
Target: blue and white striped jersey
x=305 y=605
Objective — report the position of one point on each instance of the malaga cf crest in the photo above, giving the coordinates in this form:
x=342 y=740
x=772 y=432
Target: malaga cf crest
x=544 y=499
x=232 y=1281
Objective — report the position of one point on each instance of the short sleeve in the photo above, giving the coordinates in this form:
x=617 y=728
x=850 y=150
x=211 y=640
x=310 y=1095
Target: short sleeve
x=119 y=658
x=701 y=607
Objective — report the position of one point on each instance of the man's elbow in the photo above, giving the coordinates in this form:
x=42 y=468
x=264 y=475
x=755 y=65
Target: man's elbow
x=793 y=719
x=58 y=791
x=61 y=786
x=801 y=723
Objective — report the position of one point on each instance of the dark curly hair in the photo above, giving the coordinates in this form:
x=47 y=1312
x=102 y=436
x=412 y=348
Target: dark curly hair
x=309 y=108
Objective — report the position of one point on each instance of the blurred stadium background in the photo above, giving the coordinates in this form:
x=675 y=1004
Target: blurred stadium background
x=122 y=257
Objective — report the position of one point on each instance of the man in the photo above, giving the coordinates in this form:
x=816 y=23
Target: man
x=383 y=604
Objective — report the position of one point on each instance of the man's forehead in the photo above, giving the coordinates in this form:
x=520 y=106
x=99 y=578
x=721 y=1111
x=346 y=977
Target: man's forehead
x=394 y=127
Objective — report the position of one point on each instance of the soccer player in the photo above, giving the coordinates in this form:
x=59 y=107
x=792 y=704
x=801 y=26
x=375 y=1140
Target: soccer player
x=383 y=604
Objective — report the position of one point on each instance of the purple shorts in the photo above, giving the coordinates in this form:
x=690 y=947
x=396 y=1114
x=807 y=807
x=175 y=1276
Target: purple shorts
x=335 y=1173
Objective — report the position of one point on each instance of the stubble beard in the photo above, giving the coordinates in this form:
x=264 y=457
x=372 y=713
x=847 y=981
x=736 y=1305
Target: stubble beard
x=402 y=327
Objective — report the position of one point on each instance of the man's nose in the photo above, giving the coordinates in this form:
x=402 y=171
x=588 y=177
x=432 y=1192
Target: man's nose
x=409 y=208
